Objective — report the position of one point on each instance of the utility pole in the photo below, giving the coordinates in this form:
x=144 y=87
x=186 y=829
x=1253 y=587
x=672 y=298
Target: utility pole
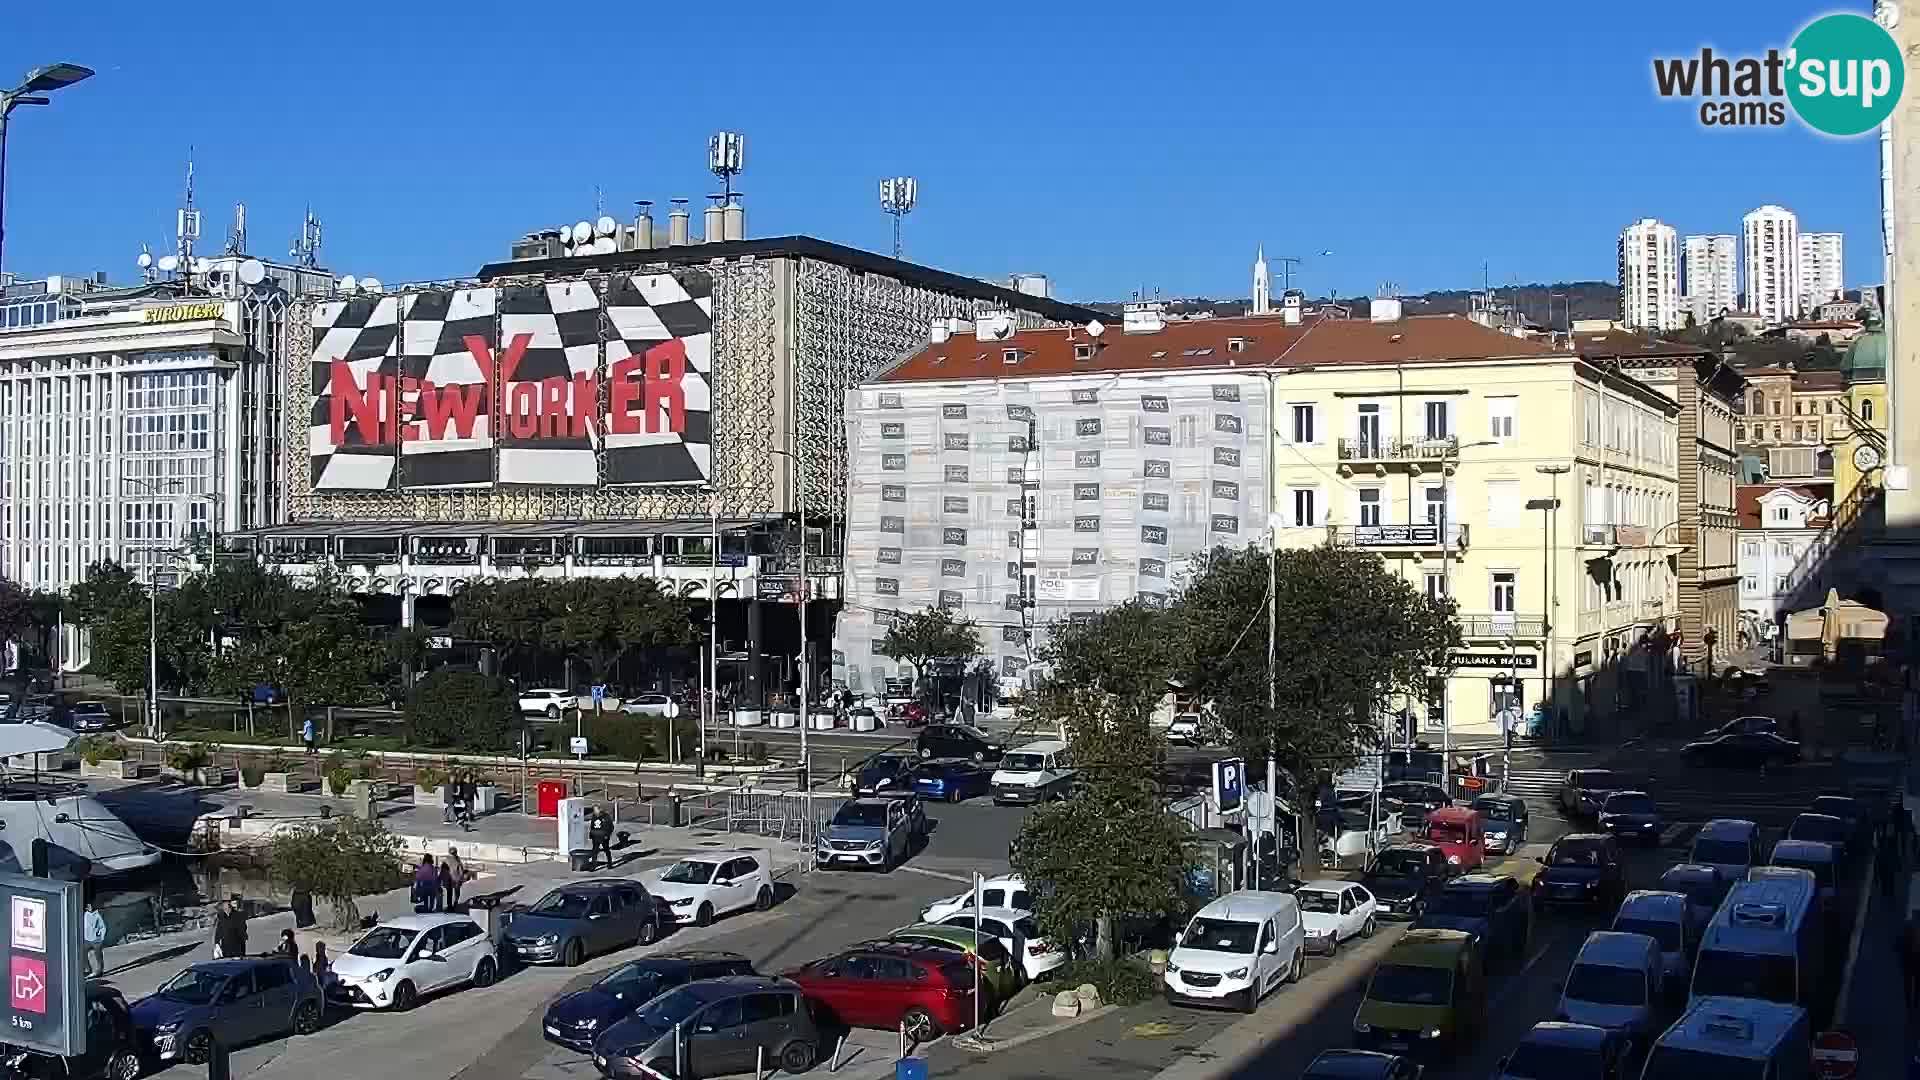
x=1550 y=578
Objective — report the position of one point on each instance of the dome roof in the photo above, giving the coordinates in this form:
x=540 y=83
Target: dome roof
x=1866 y=356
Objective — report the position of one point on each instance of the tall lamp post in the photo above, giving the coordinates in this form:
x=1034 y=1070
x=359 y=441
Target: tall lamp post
x=33 y=90
x=1551 y=579
x=796 y=484
x=1451 y=453
x=1547 y=507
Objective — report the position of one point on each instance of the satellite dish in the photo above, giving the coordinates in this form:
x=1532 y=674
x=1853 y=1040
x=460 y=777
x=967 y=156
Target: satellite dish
x=605 y=246
x=566 y=234
x=145 y=260
x=1096 y=328
x=169 y=263
x=583 y=232
x=253 y=272
x=201 y=266
x=370 y=284
x=605 y=226
x=349 y=284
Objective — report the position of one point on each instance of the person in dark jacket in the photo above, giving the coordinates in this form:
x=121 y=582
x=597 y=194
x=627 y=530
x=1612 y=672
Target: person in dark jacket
x=231 y=929
x=288 y=947
x=601 y=832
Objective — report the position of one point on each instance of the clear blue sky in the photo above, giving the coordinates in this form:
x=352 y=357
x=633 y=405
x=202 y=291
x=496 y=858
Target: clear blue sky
x=1110 y=146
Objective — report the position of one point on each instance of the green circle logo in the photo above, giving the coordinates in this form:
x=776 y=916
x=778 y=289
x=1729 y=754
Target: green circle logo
x=1844 y=74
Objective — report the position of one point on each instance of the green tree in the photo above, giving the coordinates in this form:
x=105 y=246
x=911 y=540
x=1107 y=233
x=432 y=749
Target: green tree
x=340 y=861
x=506 y=616
x=1110 y=849
x=464 y=709
x=928 y=637
x=601 y=621
x=16 y=613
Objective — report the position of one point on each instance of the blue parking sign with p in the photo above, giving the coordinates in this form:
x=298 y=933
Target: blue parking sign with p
x=1229 y=784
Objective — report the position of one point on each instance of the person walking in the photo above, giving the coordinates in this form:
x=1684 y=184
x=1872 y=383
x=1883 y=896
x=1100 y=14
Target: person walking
x=443 y=879
x=308 y=735
x=233 y=933
x=601 y=832
x=287 y=947
x=449 y=793
x=426 y=885
x=456 y=876
x=93 y=931
x=320 y=964
x=219 y=929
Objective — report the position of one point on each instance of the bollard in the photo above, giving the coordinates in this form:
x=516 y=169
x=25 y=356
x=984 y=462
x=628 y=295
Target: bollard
x=838 y=1047
x=903 y=1038
x=679 y=1049
x=759 y=1062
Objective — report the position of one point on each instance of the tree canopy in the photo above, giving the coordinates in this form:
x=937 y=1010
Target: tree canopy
x=596 y=621
x=920 y=638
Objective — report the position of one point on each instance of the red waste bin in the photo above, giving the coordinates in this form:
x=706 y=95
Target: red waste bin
x=547 y=797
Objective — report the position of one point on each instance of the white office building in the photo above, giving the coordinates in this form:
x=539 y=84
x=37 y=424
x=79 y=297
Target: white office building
x=1771 y=263
x=143 y=422
x=1822 y=269
x=1783 y=537
x=1712 y=275
x=1650 y=276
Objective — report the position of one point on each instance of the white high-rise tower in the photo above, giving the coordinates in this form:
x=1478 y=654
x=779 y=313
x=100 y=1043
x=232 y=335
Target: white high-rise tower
x=1262 y=284
x=1712 y=275
x=1823 y=276
x=1771 y=263
x=1650 y=276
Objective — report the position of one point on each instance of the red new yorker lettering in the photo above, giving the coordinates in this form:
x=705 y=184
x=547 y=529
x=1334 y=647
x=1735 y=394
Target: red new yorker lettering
x=349 y=401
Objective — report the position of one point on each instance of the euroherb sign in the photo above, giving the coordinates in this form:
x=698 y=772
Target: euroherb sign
x=166 y=313
x=46 y=984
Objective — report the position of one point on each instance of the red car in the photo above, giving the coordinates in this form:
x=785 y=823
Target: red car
x=885 y=985
x=911 y=713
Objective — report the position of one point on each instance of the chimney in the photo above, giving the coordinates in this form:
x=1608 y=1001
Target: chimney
x=1293 y=306
x=677 y=224
x=1384 y=309
x=1143 y=318
x=715 y=228
x=643 y=225
x=997 y=325
x=735 y=219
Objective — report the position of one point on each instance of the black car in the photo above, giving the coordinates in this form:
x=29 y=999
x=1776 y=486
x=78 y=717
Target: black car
x=577 y=1019
x=1415 y=800
x=1403 y=877
x=1824 y=829
x=1582 y=792
x=1631 y=815
x=1581 y=868
x=1852 y=811
x=1491 y=907
x=1742 y=750
x=884 y=774
x=1506 y=822
x=957 y=741
x=1557 y=1050
x=1361 y=1065
x=91 y=716
x=114 y=1048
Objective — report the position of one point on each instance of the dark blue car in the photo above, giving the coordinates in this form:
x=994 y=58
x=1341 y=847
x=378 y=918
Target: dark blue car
x=577 y=1019
x=952 y=779
x=885 y=774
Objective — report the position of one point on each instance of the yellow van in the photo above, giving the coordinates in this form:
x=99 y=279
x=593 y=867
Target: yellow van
x=1429 y=994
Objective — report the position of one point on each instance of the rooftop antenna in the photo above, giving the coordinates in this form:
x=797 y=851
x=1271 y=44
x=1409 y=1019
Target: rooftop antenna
x=1287 y=263
x=599 y=202
x=306 y=247
x=237 y=234
x=726 y=159
x=187 y=221
x=898 y=194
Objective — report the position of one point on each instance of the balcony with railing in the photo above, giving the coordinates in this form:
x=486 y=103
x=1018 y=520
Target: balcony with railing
x=1419 y=536
x=1501 y=624
x=1388 y=449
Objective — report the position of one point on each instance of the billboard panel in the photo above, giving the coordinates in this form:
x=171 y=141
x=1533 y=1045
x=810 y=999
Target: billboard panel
x=577 y=383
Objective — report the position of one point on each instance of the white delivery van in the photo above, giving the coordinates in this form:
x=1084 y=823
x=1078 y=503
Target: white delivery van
x=1767 y=941
x=1033 y=773
x=1734 y=1037
x=1236 y=949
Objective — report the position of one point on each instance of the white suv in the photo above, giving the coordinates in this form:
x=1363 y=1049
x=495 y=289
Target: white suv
x=401 y=960
x=548 y=702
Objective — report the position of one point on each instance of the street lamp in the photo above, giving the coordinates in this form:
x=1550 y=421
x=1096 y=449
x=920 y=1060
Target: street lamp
x=1450 y=452
x=1547 y=507
x=1552 y=584
x=32 y=90
x=796 y=487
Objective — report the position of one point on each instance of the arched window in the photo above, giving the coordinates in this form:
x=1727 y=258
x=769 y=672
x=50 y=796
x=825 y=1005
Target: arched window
x=1866 y=410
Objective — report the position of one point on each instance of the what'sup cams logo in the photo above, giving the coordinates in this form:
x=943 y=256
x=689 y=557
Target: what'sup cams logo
x=1841 y=76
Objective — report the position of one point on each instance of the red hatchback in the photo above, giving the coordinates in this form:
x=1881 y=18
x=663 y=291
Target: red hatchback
x=885 y=985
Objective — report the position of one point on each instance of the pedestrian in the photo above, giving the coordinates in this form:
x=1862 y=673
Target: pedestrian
x=308 y=734
x=457 y=877
x=469 y=798
x=93 y=930
x=601 y=832
x=320 y=966
x=288 y=947
x=449 y=792
x=426 y=885
x=219 y=929
x=233 y=938
x=1902 y=821
x=444 y=880
x=1908 y=946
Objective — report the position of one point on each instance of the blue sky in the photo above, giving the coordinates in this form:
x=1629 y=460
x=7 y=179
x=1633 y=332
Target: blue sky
x=1111 y=146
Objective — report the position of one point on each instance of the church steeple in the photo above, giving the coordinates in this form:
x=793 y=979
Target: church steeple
x=1262 y=284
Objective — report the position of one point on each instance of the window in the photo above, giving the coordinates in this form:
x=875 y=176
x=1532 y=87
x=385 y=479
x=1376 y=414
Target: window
x=1500 y=414
x=1780 y=583
x=1799 y=408
x=1505 y=589
x=1369 y=499
x=1829 y=406
x=759 y=1008
x=1503 y=504
x=1773 y=407
x=1436 y=497
x=1866 y=410
x=1750 y=584
x=1740 y=433
x=1303 y=424
x=720 y=1015
x=1436 y=584
x=273 y=976
x=1753 y=548
x=1367 y=428
x=1437 y=427
x=1303 y=507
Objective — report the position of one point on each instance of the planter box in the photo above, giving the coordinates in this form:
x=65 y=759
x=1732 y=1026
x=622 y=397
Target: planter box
x=281 y=783
x=786 y=719
x=111 y=769
x=244 y=786
x=428 y=796
x=380 y=789
x=54 y=761
x=485 y=797
x=206 y=776
x=820 y=721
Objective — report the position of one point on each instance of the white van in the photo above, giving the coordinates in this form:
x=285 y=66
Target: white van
x=1767 y=941
x=1033 y=773
x=1236 y=949
x=1734 y=1037
x=1615 y=984
x=1729 y=845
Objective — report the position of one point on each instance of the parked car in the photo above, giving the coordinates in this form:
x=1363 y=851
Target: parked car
x=951 y=779
x=577 y=1019
x=1741 y=750
x=1335 y=911
x=1747 y=725
x=1034 y=773
x=1491 y=907
x=409 y=957
x=958 y=741
x=1583 y=790
x=1823 y=829
x=1235 y=950
x=1018 y=934
x=579 y=919
x=999 y=968
x=728 y=1025
x=1852 y=811
x=1416 y=800
x=91 y=716
x=648 y=705
x=1005 y=891
x=1704 y=887
x=1663 y=917
x=1506 y=822
x=1616 y=982
x=927 y=989
x=548 y=702
x=1185 y=730
x=865 y=833
x=699 y=887
x=1403 y=878
x=884 y=774
x=115 y=1049
x=1557 y=1050
x=1581 y=868
x=229 y=1003
x=910 y=713
x=1631 y=815
x=1362 y=1065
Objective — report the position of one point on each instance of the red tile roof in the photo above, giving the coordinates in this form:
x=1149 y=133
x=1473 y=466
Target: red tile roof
x=1624 y=345
x=1746 y=501
x=1413 y=339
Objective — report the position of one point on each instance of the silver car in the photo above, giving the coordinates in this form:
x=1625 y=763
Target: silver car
x=1663 y=917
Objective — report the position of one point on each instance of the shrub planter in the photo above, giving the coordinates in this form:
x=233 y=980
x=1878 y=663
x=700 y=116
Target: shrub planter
x=111 y=769
x=205 y=776
x=246 y=785
x=283 y=783
x=784 y=718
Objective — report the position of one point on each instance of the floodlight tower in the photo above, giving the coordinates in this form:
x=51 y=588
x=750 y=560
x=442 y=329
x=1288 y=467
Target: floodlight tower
x=897 y=197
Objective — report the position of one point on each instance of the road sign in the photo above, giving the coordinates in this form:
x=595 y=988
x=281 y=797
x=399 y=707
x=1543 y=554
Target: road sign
x=46 y=984
x=1229 y=784
x=578 y=745
x=1836 y=1056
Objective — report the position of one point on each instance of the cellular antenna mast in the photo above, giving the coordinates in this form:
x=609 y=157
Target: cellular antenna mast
x=187 y=222
x=898 y=194
x=306 y=247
